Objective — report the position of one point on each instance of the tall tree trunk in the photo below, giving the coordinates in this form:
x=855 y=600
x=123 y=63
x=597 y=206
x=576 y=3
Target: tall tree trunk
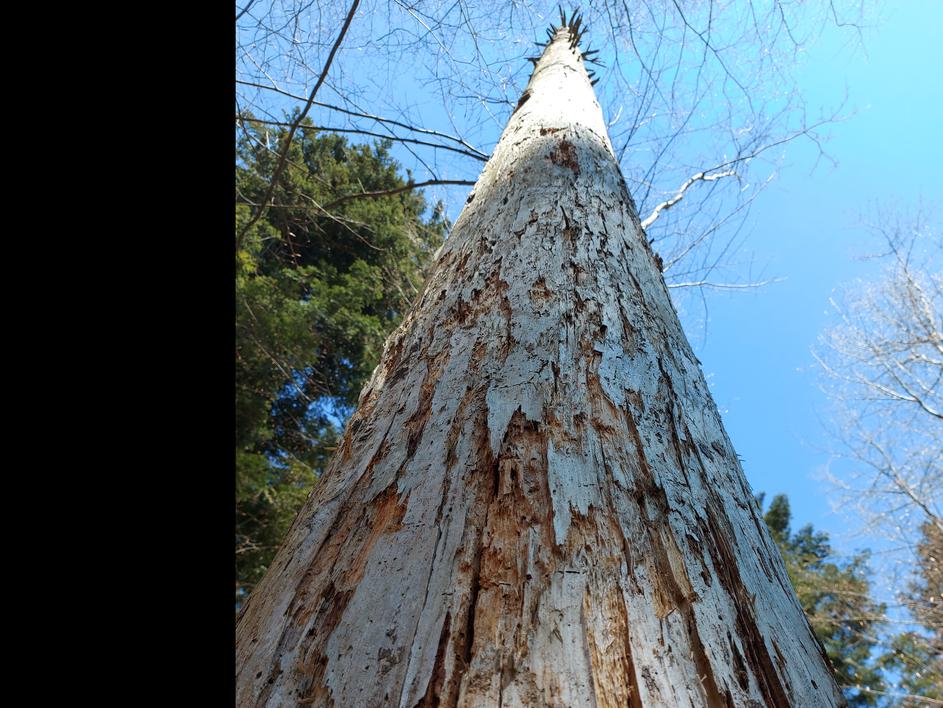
x=536 y=502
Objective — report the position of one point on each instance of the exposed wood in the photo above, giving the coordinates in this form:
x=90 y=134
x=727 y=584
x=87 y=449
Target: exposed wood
x=535 y=503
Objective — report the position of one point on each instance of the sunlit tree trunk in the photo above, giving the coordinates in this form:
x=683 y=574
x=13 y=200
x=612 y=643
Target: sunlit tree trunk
x=536 y=502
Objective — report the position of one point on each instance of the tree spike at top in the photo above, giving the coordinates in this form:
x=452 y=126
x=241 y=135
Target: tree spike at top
x=572 y=24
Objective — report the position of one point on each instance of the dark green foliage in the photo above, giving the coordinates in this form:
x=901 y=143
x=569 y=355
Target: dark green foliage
x=836 y=599
x=316 y=295
x=777 y=518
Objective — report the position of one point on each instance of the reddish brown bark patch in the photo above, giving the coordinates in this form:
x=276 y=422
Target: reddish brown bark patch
x=522 y=101
x=506 y=580
x=564 y=155
x=606 y=416
x=539 y=292
x=416 y=424
x=613 y=671
x=593 y=547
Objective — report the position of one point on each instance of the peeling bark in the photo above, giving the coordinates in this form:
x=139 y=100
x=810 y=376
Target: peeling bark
x=536 y=503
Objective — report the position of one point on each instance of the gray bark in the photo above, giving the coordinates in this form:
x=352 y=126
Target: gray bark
x=535 y=502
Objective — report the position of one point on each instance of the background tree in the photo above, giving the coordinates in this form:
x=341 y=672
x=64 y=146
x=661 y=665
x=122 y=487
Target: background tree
x=316 y=295
x=883 y=369
x=882 y=366
x=836 y=597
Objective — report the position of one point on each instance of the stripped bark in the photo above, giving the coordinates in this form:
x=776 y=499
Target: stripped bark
x=535 y=502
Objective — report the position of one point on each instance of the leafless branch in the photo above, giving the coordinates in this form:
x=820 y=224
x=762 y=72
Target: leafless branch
x=725 y=286
x=276 y=173
x=245 y=9
x=329 y=129
x=398 y=190
x=881 y=367
x=369 y=116
x=699 y=177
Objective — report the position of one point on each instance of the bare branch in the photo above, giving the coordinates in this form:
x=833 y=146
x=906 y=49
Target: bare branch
x=699 y=177
x=398 y=190
x=881 y=368
x=245 y=9
x=294 y=126
x=329 y=129
x=379 y=119
x=725 y=286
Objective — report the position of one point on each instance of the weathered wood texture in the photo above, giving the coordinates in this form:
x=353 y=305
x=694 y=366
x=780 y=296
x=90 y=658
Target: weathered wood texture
x=536 y=503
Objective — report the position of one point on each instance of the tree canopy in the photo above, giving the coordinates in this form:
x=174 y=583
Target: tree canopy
x=316 y=294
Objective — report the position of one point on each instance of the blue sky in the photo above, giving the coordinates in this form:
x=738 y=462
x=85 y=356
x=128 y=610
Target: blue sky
x=806 y=228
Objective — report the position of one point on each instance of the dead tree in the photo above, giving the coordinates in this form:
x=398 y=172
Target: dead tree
x=536 y=502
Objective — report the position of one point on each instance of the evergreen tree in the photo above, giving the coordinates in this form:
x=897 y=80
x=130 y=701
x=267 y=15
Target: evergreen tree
x=317 y=291
x=836 y=598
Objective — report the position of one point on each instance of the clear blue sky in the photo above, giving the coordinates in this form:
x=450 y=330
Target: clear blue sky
x=806 y=228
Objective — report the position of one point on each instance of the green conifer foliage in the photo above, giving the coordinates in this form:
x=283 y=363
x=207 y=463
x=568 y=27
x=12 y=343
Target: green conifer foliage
x=318 y=288
x=836 y=598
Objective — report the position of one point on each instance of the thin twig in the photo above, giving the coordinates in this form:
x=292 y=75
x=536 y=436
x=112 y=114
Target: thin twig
x=358 y=131
x=389 y=192
x=370 y=116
